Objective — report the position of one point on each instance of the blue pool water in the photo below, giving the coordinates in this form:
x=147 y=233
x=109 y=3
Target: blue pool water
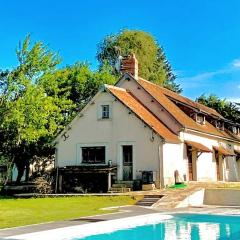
x=180 y=227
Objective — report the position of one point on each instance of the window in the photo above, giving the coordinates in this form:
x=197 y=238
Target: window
x=200 y=119
x=105 y=111
x=93 y=155
x=219 y=125
x=235 y=130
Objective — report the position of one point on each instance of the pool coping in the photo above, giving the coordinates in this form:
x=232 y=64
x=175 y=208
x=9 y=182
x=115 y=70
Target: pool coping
x=89 y=229
x=125 y=212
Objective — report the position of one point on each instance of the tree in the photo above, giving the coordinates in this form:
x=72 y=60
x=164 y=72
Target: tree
x=37 y=100
x=29 y=115
x=76 y=83
x=228 y=110
x=153 y=64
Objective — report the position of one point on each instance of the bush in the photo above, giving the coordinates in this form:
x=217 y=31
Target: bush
x=43 y=186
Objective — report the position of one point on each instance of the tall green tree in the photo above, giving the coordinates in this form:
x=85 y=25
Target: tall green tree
x=153 y=64
x=76 y=83
x=37 y=100
x=29 y=114
x=227 y=109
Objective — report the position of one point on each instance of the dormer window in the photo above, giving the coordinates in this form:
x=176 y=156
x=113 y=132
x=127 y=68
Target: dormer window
x=219 y=125
x=235 y=130
x=105 y=111
x=200 y=118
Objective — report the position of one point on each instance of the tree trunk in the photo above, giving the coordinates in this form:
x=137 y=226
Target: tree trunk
x=20 y=169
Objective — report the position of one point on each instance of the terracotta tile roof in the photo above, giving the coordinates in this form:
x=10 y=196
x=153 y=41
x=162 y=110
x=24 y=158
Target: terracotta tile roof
x=189 y=102
x=162 y=96
x=143 y=113
x=224 y=151
x=198 y=146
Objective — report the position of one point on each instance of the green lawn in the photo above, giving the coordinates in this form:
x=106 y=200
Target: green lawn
x=19 y=212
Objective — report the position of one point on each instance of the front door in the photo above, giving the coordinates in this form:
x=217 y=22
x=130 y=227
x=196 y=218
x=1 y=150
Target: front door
x=190 y=164
x=127 y=153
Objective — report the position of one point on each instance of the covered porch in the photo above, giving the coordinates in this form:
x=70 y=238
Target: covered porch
x=85 y=178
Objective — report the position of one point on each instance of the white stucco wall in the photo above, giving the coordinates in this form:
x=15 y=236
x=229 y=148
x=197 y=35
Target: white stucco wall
x=173 y=160
x=206 y=163
x=123 y=128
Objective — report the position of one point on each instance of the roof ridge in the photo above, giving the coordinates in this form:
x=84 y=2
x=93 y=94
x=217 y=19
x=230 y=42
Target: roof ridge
x=114 y=87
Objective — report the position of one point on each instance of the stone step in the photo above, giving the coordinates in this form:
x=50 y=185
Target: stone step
x=153 y=196
x=149 y=200
x=145 y=204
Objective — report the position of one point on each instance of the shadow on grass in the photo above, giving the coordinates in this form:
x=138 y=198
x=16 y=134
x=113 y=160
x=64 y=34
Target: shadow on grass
x=6 y=197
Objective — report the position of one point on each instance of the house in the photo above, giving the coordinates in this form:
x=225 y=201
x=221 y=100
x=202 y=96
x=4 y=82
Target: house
x=137 y=129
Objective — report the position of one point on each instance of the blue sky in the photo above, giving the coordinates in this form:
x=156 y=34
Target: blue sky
x=201 y=38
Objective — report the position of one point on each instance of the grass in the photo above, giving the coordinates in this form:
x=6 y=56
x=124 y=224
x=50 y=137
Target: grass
x=19 y=212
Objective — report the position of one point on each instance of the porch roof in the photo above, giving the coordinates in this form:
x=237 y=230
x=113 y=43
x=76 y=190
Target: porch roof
x=224 y=151
x=198 y=146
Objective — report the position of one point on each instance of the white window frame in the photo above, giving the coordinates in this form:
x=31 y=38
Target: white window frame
x=200 y=118
x=99 y=110
x=105 y=111
x=97 y=144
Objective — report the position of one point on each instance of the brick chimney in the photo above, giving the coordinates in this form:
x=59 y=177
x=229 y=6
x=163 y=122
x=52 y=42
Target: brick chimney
x=130 y=65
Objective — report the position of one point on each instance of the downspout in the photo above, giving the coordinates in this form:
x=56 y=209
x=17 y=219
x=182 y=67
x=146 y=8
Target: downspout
x=160 y=160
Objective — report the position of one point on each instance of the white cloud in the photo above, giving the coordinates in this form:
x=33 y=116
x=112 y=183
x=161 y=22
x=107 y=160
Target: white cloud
x=202 y=79
x=230 y=99
x=205 y=78
x=236 y=63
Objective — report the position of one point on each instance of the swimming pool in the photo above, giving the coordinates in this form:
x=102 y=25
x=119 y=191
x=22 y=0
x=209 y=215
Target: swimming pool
x=180 y=226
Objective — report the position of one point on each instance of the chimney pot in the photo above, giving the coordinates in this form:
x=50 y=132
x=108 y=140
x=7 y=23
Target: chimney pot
x=130 y=65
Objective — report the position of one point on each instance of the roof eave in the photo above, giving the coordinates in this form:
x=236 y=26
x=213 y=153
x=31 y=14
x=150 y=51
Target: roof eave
x=209 y=134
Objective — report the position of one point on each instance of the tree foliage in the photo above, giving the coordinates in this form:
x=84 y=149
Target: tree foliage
x=229 y=110
x=76 y=83
x=37 y=100
x=153 y=64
